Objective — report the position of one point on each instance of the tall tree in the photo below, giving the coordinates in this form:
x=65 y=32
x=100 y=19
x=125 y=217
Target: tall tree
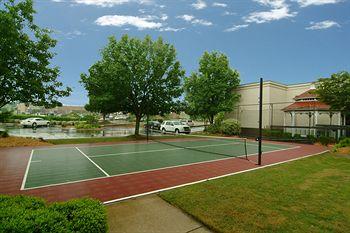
x=145 y=75
x=25 y=71
x=97 y=83
x=213 y=88
x=335 y=91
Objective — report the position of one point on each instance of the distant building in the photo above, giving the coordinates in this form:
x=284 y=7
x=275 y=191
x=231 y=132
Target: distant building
x=290 y=106
x=39 y=110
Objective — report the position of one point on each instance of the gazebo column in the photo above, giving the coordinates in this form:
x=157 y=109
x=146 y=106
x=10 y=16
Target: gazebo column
x=340 y=124
x=316 y=122
x=292 y=114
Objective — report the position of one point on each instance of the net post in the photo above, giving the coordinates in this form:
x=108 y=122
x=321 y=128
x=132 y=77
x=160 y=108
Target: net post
x=260 y=120
x=245 y=148
x=147 y=127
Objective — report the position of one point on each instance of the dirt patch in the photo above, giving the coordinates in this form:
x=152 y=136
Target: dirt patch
x=20 y=141
x=344 y=151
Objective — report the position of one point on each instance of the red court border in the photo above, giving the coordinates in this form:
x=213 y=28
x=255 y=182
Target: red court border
x=13 y=163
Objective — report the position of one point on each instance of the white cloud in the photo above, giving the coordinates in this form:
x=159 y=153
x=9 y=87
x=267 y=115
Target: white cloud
x=202 y=22
x=123 y=20
x=305 y=3
x=322 y=25
x=279 y=10
x=187 y=18
x=219 y=4
x=170 y=29
x=193 y=20
x=272 y=3
x=74 y=34
x=236 y=27
x=109 y=3
x=228 y=13
x=266 y=16
x=199 y=5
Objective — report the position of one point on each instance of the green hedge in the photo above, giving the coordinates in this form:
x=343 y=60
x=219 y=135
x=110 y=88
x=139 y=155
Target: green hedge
x=32 y=214
x=227 y=127
x=345 y=142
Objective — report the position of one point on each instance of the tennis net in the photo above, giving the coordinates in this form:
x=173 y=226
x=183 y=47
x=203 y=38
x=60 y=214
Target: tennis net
x=224 y=146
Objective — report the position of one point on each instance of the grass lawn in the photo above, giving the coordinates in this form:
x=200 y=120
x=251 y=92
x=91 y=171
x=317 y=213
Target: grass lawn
x=308 y=195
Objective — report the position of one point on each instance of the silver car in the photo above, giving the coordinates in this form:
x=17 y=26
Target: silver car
x=34 y=122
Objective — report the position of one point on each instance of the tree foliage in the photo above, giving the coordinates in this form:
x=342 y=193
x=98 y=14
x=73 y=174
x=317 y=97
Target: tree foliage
x=144 y=76
x=97 y=83
x=25 y=71
x=212 y=89
x=335 y=91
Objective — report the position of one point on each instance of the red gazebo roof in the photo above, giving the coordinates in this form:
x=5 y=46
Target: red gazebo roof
x=307 y=106
x=306 y=95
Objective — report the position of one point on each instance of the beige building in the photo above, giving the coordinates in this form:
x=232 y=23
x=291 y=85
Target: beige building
x=284 y=105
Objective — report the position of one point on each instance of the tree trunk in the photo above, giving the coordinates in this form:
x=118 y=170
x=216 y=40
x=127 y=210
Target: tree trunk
x=137 y=126
x=211 y=119
x=104 y=116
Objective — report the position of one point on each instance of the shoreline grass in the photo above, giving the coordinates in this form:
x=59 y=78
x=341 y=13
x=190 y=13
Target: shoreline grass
x=309 y=195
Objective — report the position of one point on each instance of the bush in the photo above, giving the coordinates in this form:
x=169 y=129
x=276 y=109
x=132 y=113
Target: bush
x=325 y=141
x=83 y=125
x=345 y=142
x=5 y=116
x=90 y=119
x=4 y=134
x=230 y=127
x=31 y=214
x=212 y=129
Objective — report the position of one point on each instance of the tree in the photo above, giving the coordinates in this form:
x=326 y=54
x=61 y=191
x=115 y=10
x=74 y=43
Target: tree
x=212 y=89
x=97 y=83
x=335 y=91
x=145 y=76
x=25 y=71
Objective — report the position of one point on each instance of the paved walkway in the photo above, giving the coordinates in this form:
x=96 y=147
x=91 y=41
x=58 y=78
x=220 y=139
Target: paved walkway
x=150 y=214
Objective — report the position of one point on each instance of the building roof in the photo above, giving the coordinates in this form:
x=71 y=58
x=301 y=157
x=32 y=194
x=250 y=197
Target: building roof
x=307 y=106
x=306 y=95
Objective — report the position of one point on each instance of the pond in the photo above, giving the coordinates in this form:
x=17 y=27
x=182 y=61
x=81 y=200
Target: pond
x=64 y=133
x=61 y=133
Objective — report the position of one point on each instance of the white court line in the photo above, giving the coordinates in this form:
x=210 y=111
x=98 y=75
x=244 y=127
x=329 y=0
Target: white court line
x=93 y=162
x=170 y=149
x=213 y=178
x=36 y=161
x=27 y=169
x=156 y=169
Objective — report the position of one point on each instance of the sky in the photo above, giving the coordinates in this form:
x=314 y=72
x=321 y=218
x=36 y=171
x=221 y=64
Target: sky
x=287 y=41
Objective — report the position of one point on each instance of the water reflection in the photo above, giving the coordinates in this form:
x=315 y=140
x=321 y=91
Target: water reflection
x=61 y=132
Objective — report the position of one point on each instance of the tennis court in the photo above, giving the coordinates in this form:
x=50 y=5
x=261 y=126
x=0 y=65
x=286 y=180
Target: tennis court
x=53 y=166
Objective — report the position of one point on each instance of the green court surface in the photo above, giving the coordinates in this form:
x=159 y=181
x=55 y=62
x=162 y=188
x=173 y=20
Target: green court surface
x=54 y=166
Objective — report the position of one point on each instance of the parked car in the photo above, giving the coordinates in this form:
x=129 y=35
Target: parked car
x=153 y=125
x=187 y=122
x=175 y=127
x=34 y=122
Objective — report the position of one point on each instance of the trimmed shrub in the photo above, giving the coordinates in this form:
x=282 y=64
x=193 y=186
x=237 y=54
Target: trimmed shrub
x=31 y=214
x=325 y=141
x=4 y=134
x=5 y=116
x=83 y=125
x=212 y=129
x=84 y=215
x=345 y=142
x=230 y=127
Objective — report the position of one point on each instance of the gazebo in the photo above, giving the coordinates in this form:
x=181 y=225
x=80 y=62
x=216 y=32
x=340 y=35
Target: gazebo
x=311 y=114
